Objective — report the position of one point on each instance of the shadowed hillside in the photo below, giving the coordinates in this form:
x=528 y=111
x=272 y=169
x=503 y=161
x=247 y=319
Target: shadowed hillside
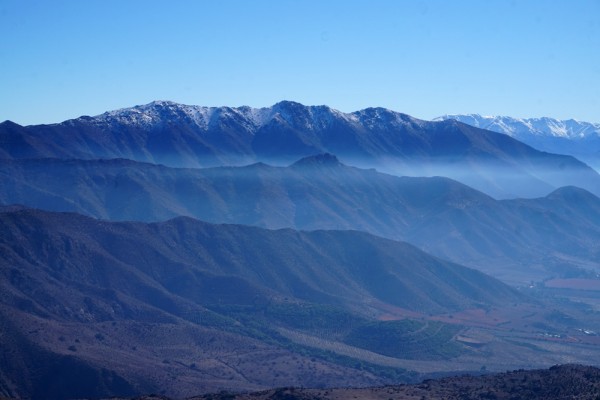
x=130 y=305
x=517 y=240
x=556 y=383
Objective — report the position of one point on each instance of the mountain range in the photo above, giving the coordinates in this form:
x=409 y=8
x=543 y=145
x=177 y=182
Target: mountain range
x=577 y=138
x=516 y=240
x=192 y=136
x=94 y=309
x=182 y=250
x=191 y=307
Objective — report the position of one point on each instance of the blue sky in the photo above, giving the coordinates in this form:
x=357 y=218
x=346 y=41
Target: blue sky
x=62 y=59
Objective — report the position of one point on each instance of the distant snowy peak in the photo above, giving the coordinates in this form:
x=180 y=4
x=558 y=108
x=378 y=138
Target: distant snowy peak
x=306 y=117
x=519 y=128
x=309 y=118
x=378 y=118
x=158 y=112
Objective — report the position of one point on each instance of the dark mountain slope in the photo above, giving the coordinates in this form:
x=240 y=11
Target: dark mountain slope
x=29 y=371
x=187 y=306
x=186 y=257
x=179 y=135
x=523 y=239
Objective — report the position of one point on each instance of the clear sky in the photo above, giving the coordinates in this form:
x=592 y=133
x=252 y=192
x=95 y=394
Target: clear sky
x=61 y=59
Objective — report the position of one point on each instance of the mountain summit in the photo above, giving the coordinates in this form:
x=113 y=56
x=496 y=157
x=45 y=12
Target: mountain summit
x=325 y=159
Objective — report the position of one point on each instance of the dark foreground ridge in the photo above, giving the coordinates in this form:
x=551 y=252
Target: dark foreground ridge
x=558 y=382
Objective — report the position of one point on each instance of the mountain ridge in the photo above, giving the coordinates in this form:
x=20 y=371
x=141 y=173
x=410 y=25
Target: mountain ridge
x=326 y=195
x=184 y=303
x=515 y=127
x=192 y=136
x=577 y=138
x=186 y=307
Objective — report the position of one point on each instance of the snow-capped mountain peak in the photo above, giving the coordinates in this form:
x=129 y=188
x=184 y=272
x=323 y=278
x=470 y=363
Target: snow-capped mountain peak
x=522 y=127
x=577 y=138
x=156 y=112
x=293 y=113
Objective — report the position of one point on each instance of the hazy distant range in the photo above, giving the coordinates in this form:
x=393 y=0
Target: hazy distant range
x=577 y=138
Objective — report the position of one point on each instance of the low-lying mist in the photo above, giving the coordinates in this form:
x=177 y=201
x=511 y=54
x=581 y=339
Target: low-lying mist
x=517 y=240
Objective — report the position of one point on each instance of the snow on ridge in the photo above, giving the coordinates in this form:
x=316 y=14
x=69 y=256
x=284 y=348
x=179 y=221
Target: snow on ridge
x=258 y=116
x=305 y=117
x=154 y=113
x=376 y=118
x=157 y=111
x=308 y=117
x=322 y=116
x=519 y=127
